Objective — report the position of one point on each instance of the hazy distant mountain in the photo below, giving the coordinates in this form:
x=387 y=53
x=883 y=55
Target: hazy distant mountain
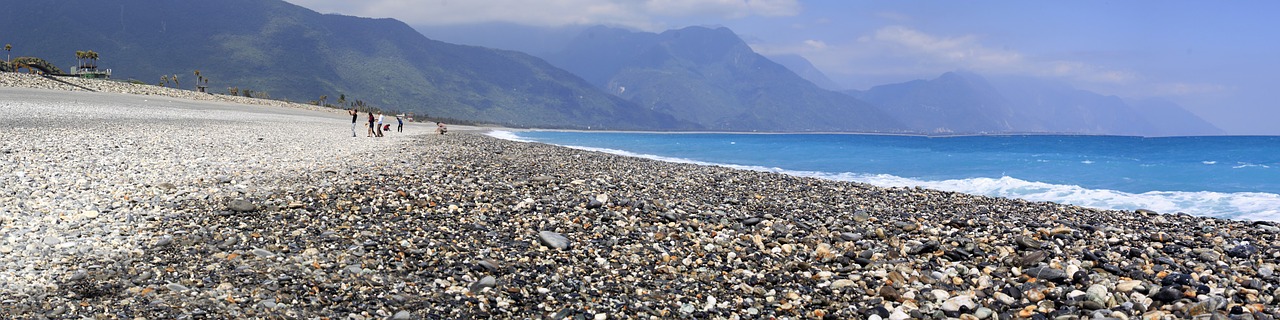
x=805 y=69
x=953 y=103
x=964 y=102
x=534 y=40
x=295 y=53
x=1171 y=119
x=711 y=77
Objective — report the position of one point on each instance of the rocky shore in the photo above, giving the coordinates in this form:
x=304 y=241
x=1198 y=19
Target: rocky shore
x=131 y=208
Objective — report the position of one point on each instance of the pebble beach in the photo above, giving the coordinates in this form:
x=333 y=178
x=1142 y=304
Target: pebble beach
x=122 y=201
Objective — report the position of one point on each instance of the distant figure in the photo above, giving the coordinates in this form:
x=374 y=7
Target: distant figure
x=371 y=129
x=354 y=116
x=399 y=124
x=379 y=124
x=440 y=128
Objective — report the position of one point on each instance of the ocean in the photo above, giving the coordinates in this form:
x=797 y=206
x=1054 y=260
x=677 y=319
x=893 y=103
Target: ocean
x=1225 y=177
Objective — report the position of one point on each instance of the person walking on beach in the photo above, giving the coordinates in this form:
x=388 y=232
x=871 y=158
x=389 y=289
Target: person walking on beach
x=399 y=124
x=379 y=124
x=370 y=124
x=354 y=116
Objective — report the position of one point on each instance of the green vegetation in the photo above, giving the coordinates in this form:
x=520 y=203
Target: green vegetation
x=35 y=65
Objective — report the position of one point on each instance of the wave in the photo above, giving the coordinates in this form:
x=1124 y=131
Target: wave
x=506 y=135
x=1239 y=205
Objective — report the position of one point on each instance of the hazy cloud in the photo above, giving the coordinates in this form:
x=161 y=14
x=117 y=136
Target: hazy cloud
x=816 y=44
x=644 y=14
x=1183 y=89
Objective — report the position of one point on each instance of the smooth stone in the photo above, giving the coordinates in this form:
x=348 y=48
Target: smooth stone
x=241 y=205
x=1266 y=271
x=402 y=315
x=262 y=253
x=1167 y=294
x=1031 y=258
x=842 y=283
x=983 y=312
x=1128 y=285
x=751 y=221
x=1026 y=242
x=850 y=236
x=861 y=216
x=176 y=287
x=889 y=293
x=554 y=240
x=1046 y=273
x=1242 y=251
x=164 y=241
x=898 y=314
x=1004 y=298
x=1097 y=293
x=486 y=282
x=488 y=265
x=958 y=303
x=79 y=275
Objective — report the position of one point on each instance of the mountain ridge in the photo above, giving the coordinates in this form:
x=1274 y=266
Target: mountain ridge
x=711 y=77
x=295 y=53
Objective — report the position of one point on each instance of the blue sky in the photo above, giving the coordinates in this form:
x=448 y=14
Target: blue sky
x=1221 y=60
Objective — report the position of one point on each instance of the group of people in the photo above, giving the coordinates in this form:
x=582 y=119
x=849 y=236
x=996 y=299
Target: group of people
x=377 y=127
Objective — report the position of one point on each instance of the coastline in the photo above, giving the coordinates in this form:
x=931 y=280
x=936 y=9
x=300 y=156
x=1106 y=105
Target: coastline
x=289 y=217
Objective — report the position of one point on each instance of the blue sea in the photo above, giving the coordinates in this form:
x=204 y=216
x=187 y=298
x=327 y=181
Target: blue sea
x=1224 y=177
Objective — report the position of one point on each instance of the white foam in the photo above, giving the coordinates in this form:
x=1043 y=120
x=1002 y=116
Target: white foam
x=506 y=135
x=1240 y=205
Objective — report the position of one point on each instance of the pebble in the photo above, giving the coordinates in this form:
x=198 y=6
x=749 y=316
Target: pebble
x=554 y=240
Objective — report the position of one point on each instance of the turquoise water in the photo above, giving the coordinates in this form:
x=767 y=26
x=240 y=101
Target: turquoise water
x=1227 y=177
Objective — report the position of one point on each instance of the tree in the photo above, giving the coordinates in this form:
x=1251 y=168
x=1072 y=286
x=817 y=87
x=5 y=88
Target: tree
x=7 y=48
x=201 y=82
x=175 y=82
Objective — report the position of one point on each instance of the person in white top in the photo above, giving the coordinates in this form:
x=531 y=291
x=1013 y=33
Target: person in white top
x=379 y=124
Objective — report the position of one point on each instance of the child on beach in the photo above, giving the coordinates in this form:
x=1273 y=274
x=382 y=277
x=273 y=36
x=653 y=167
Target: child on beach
x=440 y=128
x=371 y=124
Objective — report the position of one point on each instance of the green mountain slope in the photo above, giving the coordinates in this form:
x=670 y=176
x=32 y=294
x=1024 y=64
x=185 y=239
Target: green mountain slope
x=295 y=53
x=711 y=77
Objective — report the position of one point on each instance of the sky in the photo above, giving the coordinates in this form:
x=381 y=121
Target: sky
x=1220 y=60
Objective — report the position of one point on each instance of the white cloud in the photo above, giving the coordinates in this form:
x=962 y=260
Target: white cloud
x=642 y=14
x=816 y=44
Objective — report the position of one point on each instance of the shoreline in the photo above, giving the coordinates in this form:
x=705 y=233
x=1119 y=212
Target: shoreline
x=468 y=226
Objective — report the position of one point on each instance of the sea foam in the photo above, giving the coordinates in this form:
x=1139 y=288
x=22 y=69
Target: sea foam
x=1239 y=205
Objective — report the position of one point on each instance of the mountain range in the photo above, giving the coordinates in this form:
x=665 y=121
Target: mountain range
x=695 y=78
x=709 y=76
x=294 y=53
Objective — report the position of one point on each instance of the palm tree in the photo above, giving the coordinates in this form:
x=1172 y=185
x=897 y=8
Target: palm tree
x=342 y=99
x=323 y=97
x=7 y=48
x=164 y=80
x=175 y=82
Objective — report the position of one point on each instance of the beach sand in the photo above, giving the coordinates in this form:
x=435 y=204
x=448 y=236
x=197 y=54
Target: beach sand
x=127 y=206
